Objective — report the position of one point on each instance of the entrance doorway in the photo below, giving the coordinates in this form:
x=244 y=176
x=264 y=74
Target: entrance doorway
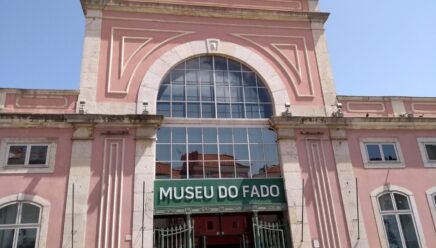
x=223 y=230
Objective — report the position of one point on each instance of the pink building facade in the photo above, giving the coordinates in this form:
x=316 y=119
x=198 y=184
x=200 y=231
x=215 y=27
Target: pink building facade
x=213 y=124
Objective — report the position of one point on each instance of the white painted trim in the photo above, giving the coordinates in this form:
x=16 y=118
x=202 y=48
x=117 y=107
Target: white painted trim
x=431 y=203
x=380 y=227
x=421 y=143
x=423 y=111
x=45 y=213
x=2 y=100
x=152 y=79
x=349 y=109
x=51 y=155
x=382 y=164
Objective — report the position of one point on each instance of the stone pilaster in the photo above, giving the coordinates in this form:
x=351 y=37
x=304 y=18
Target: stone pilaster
x=80 y=173
x=143 y=188
x=293 y=182
x=324 y=67
x=90 y=61
x=347 y=183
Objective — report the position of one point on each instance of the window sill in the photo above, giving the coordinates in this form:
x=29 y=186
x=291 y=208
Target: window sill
x=26 y=170
x=384 y=165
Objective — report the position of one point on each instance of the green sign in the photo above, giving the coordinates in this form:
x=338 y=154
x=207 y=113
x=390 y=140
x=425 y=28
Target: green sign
x=217 y=192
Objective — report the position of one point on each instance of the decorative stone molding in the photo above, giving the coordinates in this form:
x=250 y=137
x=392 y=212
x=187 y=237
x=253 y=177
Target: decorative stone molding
x=152 y=79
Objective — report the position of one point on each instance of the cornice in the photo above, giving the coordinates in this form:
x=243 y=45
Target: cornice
x=205 y=11
x=24 y=120
x=374 y=123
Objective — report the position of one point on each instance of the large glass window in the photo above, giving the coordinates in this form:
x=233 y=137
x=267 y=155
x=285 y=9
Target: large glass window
x=19 y=225
x=213 y=87
x=398 y=221
x=213 y=152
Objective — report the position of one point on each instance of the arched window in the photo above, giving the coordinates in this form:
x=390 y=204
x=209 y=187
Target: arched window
x=213 y=87
x=398 y=220
x=19 y=224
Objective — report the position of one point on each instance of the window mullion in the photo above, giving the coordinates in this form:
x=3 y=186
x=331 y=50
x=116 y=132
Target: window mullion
x=400 y=229
x=380 y=147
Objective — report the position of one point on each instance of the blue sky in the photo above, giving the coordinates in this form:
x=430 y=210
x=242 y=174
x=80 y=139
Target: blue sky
x=376 y=47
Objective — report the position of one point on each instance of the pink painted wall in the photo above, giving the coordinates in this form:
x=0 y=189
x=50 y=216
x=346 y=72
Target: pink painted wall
x=414 y=177
x=44 y=102
x=106 y=156
x=321 y=187
x=287 y=46
x=50 y=186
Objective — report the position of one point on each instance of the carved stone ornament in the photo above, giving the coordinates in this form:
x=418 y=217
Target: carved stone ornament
x=212 y=45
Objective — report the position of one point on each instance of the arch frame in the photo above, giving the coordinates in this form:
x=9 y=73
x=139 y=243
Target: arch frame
x=377 y=212
x=151 y=81
x=45 y=212
x=431 y=192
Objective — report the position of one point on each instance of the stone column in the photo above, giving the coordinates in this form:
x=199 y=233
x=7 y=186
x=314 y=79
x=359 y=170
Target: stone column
x=293 y=182
x=347 y=183
x=144 y=188
x=79 y=176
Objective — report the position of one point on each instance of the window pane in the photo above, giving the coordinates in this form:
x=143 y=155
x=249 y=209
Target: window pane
x=431 y=151
x=258 y=169
x=26 y=238
x=206 y=63
x=392 y=232
x=179 y=153
x=236 y=94
x=192 y=93
x=255 y=135
x=234 y=66
x=225 y=135
x=220 y=63
x=227 y=169
x=164 y=109
x=195 y=152
x=179 y=135
x=29 y=214
x=164 y=135
x=240 y=135
x=268 y=136
x=193 y=64
x=235 y=78
x=273 y=169
x=164 y=93
x=207 y=93
x=193 y=110
x=223 y=110
x=409 y=231
x=265 y=110
x=17 y=154
x=386 y=202
x=211 y=169
x=270 y=152
x=434 y=199
x=256 y=152
x=249 y=78
x=194 y=135
x=402 y=202
x=178 y=93
x=179 y=170
x=226 y=152
x=210 y=152
x=222 y=94
x=196 y=169
x=178 y=77
x=38 y=154
x=208 y=110
x=221 y=78
x=178 y=110
x=8 y=214
x=238 y=111
x=252 y=111
x=373 y=153
x=250 y=94
x=163 y=152
x=210 y=135
x=242 y=169
x=6 y=238
x=263 y=95
x=191 y=77
x=163 y=170
x=389 y=152
x=241 y=152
